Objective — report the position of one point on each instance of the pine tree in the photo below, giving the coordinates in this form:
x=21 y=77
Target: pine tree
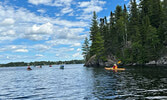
x=125 y=33
x=164 y=22
x=111 y=46
x=99 y=42
x=125 y=21
x=118 y=30
x=104 y=30
x=94 y=29
x=97 y=46
x=133 y=31
x=86 y=49
x=150 y=42
x=156 y=13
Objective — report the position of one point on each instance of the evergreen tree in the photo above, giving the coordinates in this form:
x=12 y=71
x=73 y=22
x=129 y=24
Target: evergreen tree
x=97 y=46
x=125 y=33
x=125 y=21
x=136 y=37
x=94 y=29
x=99 y=42
x=118 y=30
x=150 y=42
x=133 y=31
x=164 y=23
x=110 y=46
x=104 y=29
x=156 y=13
x=86 y=49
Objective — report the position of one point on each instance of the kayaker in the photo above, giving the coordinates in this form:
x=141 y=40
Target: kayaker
x=115 y=66
x=29 y=68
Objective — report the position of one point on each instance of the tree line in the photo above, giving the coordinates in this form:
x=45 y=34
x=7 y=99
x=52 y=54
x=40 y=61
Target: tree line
x=137 y=35
x=37 y=63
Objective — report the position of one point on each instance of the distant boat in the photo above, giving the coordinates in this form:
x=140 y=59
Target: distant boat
x=29 y=68
x=61 y=66
x=50 y=65
x=39 y=66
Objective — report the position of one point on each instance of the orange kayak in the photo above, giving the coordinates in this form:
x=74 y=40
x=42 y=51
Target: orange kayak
x=107 y=68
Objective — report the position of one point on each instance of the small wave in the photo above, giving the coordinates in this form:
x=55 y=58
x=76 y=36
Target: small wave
x=4 y=94
x=122 y=96
x=40 y=88
x=25 y=97
x=157 y=97
x=159 y=90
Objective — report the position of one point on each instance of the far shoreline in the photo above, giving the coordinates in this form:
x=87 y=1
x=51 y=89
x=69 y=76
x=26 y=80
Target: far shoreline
x=43 y=63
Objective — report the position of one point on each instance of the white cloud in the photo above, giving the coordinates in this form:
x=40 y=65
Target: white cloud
x=63 y=2
x=39 y=32
x=88 y=7
x=60 y=42
x=76 y=44
x=71 y=49
x=70 y=33
x=57 y=3
x=14 y=48
x=22 y=24
x=93 y=5
x=8 y=21
x=77 y=55
x=40 y=47
x=37 y=2
x=41 y=11
x=39 y=55
x=78 y=49
x=66 y=10
x=57 y=14
x=8 y=33
x=41 y=29
x=84 y=4
x=36 y=37
x=13 y=57
x=21 y=50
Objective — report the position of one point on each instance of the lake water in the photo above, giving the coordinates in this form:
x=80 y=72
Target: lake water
x=76 y=82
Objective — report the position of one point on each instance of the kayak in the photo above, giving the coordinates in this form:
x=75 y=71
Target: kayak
x=29 y=69
x=114 y=69
x=61 y=66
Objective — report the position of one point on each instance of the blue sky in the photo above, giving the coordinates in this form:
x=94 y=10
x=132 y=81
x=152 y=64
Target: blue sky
x=47 y=30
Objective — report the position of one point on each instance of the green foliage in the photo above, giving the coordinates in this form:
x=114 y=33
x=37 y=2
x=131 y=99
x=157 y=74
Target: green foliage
x=37 y=63
x=94 y=29
x=97 y=46
x=86 y=49
x=138 y=37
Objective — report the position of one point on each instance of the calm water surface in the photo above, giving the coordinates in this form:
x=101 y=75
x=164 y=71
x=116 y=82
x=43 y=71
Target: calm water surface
x=76 y=82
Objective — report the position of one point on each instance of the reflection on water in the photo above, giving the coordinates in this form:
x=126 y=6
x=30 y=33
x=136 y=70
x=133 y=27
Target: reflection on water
x=76 y=82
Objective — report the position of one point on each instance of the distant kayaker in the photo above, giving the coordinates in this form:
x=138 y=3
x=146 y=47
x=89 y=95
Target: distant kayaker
x=29 y=68
x=115 y=66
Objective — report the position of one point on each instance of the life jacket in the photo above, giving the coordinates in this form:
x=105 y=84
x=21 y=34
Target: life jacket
x=113 y=67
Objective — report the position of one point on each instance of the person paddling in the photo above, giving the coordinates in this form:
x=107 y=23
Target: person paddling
x=29 y=68
x=115 y=66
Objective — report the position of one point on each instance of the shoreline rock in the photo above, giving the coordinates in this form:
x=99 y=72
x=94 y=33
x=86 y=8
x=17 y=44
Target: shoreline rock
x=92 y=62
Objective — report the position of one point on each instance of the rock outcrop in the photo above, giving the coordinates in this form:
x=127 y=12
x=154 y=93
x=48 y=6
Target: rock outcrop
x=93 y=62
x=162 y=61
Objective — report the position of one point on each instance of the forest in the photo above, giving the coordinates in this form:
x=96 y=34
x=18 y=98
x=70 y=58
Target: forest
x=133 y=34
x=37 y=63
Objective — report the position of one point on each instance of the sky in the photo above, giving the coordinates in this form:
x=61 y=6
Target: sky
x=48 y=30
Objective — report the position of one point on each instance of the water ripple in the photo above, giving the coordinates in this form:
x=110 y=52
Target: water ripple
x=76 y=82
